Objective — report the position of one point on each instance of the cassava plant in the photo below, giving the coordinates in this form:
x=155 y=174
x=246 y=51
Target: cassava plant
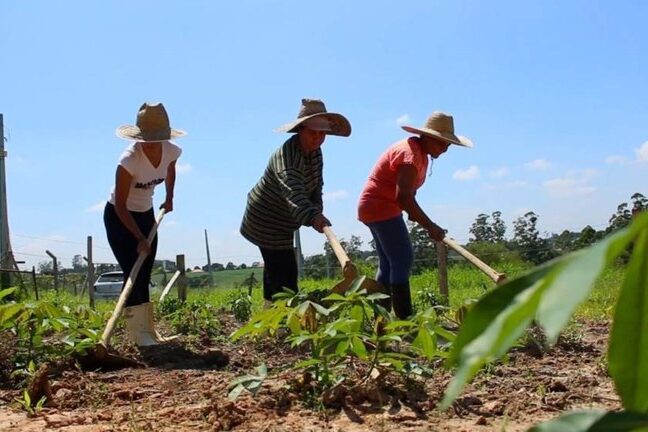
x=346 y=328
x=548 y=295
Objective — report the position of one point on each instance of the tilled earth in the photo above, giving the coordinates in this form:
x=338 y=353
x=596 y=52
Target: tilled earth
x=182 y=389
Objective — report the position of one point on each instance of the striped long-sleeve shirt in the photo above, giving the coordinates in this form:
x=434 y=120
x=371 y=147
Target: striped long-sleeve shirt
x=288 y=195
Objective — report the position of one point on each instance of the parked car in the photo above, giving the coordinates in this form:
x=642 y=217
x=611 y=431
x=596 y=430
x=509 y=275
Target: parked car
x=109 y=285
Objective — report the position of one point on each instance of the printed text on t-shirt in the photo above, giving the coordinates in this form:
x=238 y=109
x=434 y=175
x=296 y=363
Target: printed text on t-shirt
x=149 y=185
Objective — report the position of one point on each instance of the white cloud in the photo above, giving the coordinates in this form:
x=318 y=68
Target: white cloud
x=470 y=173
x=582 y=175
x=499 y=173
x=515 y=184
x=616 y=160
x=183 y=168
x=405 y=118
x=537 y=165
x=97 y=208
x=335 y=195
x=642 y=152
x=568 y=187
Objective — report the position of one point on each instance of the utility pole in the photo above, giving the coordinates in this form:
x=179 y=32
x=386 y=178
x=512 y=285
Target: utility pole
x=6 y=256
x=209 y=267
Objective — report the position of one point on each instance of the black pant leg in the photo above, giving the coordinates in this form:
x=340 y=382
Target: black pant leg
x=279 y=270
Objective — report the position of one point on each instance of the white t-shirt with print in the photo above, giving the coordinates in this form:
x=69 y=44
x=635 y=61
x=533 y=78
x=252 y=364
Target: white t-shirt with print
x=145 y=175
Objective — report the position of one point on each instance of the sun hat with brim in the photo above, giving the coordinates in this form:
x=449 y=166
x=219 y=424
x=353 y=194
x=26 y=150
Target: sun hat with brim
x=152 y=125
x=313 y=108
x=440 y=125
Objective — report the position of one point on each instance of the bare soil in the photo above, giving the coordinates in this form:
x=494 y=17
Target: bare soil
x=184 y=388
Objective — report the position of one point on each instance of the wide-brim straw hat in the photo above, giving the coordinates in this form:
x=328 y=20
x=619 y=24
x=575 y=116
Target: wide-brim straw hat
x=440 y=125
x=152 y=125
x=311 y=108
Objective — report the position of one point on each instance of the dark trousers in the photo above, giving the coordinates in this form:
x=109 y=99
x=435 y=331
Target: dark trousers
x=279 y=270
x=124 y=247
x=394 y=249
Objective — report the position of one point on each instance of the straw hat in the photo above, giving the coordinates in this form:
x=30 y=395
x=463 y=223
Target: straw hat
x=440 y=125
x=152 y=125
x=314 y=108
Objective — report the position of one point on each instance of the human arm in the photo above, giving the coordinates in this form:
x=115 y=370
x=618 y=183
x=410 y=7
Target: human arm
x=123 y=181
x=169 y=183
x=289 y=168
x=406 y=197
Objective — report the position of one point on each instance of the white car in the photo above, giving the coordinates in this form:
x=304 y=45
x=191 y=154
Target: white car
x=109 y=285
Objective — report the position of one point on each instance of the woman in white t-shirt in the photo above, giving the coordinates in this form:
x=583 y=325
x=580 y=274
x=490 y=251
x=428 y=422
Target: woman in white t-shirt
x=129 y=215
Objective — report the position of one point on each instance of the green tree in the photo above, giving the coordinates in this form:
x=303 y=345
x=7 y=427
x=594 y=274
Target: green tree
x=527 y=240
x=498 y=227
x=588 y=236
x=78 y=264
x=425 y=255
x=481 y=229
x=565 y=242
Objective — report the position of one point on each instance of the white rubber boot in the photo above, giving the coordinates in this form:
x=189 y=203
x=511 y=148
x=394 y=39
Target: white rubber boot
x=151 y=325
x=138 y=327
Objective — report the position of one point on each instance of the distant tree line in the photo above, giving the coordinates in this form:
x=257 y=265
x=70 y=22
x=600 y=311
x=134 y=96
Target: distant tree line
x=488 y=241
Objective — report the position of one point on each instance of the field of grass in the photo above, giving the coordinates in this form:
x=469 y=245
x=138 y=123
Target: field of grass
x=465 y=283
x=224 y=279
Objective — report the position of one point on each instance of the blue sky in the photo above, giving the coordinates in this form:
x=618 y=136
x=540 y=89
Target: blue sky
x=552 y=93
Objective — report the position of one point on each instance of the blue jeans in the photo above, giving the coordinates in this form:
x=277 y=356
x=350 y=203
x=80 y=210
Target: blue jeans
x=394 y=250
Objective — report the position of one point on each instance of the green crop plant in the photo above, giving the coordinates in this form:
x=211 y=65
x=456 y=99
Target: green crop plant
x=348 y=327
x=548 y=295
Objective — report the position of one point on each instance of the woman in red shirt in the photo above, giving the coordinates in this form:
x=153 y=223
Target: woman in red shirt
x=390 y=190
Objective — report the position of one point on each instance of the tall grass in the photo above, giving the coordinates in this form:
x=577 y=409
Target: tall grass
x=464 y=281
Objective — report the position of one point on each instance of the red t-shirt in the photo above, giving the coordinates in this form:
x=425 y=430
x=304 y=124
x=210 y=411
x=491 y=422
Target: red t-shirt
x=378 y=200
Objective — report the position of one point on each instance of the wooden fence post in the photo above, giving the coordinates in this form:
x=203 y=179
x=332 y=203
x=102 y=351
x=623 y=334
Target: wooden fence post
x=34 y=279
x=442 y=257
x=91 y=274
x=54 y=269
x=182 y=279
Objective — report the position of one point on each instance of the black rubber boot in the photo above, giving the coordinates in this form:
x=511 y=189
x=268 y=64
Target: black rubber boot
x=386 y=303
x=402 y=300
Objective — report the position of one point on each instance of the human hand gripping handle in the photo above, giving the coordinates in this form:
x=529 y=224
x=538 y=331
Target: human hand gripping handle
x=128 y=286
x=319 y=222
x=436 y=232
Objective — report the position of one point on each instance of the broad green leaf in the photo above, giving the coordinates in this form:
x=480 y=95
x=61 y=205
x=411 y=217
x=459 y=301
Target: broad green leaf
x=426 y=343
x=335 y=297
x=262 y=370
x=572 y=285
x=628 y=349
x=357 y=314
x=342 y=347
x=8 y=311
x=595 y=421
x=445 y=334
x=398 y=324
x=377 y=296
x=498 y=335
x=235 y=392
x=8 y=291
x=487 y=309
x=241 y=380
x=358 y=348
x=307 y=363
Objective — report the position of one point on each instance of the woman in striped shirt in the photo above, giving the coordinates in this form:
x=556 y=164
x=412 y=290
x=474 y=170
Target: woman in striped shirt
x=289 y=194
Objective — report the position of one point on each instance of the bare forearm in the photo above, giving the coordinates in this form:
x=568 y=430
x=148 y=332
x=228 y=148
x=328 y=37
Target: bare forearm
x=129 y=222
x=415 y=213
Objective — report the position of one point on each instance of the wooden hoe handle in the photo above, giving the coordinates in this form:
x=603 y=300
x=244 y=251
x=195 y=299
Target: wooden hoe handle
x=128 y=287
x=495 y=276
x=337 y=247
